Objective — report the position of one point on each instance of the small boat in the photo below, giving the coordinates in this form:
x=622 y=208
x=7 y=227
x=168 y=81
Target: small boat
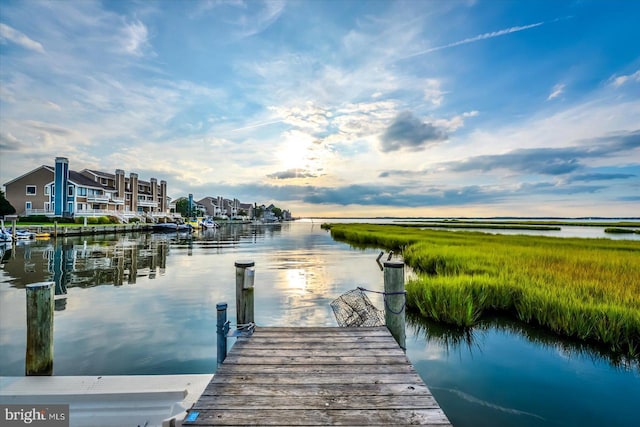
x=170 y=227
x=23 y=235
x=5 y=236
x=209 y=223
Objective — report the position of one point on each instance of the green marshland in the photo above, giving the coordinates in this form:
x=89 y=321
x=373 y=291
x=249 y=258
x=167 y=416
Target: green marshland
x=588 y=289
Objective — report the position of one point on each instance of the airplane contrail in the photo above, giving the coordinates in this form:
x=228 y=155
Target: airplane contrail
x=477 y=38
x=255 y=125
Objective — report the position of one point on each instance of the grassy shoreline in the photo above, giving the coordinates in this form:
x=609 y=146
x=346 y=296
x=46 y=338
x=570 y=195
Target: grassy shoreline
x=581 y=288
x=553 y=223
x=482 y=225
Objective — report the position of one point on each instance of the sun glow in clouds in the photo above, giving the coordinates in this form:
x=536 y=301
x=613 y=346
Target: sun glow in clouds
x=299 y=153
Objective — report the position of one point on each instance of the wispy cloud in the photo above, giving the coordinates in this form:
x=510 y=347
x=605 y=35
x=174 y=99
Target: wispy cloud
x=618 y=81
x=551 y=161
x=134 y=38
x=8 y=33
x=263 y=19
x=601 y=177
x=556 y=91
x=292 y=174
x=477 y=38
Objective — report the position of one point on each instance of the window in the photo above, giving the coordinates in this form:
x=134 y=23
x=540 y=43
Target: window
x=79 y=207
x=71 y=190
x=70 y=205
x=46 y=190
x=31 y=190
x=82 y=191
x=27 y=206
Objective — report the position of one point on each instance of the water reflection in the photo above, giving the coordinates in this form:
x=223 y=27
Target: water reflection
x=75 y=262
x=452 y=339
x=112 y=260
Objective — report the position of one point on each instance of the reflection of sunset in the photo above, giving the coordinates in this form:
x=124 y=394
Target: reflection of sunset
x=306 y=286
x=296 y=280
x=301 y=273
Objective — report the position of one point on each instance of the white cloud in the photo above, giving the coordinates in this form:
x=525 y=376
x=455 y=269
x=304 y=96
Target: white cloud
x=433 y=93
x=556 y=91
x=135 y=38
x=265 y=17
x=10 y=34
x=618 y=81
x=454 y=123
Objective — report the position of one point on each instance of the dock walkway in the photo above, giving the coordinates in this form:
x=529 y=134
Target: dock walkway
x=316 y=376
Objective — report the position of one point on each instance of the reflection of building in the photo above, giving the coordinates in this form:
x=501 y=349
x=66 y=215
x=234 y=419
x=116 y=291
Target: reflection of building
x=73 y=263
x=59 y=191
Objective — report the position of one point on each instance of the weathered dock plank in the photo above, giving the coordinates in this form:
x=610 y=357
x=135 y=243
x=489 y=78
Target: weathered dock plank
x=317 y=376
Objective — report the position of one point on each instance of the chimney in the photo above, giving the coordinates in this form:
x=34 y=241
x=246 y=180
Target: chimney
x=61 y=182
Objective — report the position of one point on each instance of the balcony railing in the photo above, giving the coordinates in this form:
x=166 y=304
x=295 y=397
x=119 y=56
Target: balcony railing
x=147 y=204
x=98 y=199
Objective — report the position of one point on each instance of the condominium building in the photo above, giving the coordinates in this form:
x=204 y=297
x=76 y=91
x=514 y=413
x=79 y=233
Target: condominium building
x=86 y=193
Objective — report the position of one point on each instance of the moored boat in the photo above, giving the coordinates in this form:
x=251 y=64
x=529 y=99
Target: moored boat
x=209 y=223
x=169 y=227
x=5 y=236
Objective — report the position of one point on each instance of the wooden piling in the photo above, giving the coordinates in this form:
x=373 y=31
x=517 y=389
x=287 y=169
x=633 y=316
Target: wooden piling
x=395 y=301
x=14 y=232
x=40 y=308
x=245 y=274
x=222 y=328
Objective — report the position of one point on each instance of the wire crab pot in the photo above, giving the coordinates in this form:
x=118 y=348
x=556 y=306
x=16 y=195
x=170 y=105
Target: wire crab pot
x=354 y=309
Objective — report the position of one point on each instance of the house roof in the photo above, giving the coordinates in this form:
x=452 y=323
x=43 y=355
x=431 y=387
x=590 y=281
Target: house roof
x=49 y=168
x=85 y=181
x=100 y=173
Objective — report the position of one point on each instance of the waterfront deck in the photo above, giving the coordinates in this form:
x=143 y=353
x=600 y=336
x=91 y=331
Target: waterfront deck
x=316 y=376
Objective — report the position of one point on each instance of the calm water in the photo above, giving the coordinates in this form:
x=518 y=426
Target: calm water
x=145 y=304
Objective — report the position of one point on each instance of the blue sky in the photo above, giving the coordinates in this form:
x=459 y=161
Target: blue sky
x=419 y=108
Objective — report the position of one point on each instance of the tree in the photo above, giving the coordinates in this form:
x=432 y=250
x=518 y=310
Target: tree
x=5 y=206
x=182 y=206
x=277 y=212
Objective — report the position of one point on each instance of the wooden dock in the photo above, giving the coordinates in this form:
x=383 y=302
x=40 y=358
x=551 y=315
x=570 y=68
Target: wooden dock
x=316 y=376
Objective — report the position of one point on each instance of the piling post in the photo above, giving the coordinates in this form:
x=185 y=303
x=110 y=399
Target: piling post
x=395 y=301
x=55 y=229
x=40 y=307
x=222 y=327
x=14 y=232
x=245 y=274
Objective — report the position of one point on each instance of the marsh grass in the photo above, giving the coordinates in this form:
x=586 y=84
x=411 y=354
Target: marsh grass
x=587 y=289
x=619 y=230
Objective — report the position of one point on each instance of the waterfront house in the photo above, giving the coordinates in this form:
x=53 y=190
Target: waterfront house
x=86 y=193
x=219 y=207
